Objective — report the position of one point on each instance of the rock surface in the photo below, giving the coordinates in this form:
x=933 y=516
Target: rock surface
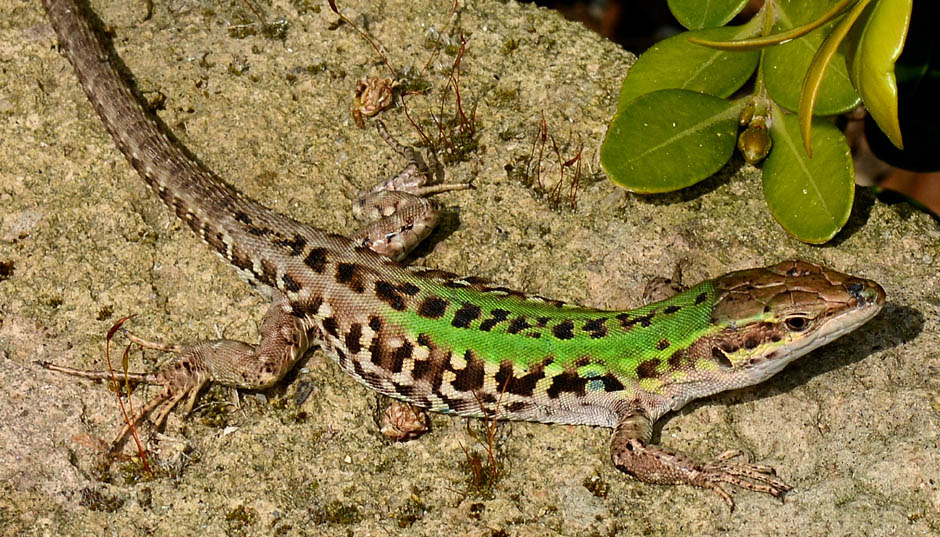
x=854 y=426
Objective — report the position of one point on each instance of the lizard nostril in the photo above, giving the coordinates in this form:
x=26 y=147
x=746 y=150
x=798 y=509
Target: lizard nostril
x=855 y=289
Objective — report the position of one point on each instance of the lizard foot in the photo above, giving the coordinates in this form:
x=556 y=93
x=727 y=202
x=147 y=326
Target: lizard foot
x=400 y=421
x=755 y=477
x=399 y=212
x=180 y=378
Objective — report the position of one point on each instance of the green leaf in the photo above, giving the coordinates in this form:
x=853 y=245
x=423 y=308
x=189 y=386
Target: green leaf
x=779 y=37
x=793 y=13
x=810 y=197
x=785 y=66
x=817 y=69
x=918 y=76
x=873 y=46
x=676 y=63
x=669 y=139
x=695 y=14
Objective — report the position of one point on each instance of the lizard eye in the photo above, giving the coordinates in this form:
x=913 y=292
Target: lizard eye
x=797 y=324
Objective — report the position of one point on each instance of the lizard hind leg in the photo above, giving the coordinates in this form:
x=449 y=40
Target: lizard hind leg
x=401 y=216
x=180 y=378
x=225 y=361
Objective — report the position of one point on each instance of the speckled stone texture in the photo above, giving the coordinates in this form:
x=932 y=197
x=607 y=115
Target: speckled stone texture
x=854 y=426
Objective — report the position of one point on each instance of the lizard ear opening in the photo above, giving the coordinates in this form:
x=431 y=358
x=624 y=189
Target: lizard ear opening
x=722 y=358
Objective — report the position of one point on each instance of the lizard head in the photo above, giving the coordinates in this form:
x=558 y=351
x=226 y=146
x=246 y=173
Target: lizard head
x=765 y=318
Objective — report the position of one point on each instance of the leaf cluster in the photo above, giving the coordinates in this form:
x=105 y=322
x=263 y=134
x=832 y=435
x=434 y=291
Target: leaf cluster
x=682 y=111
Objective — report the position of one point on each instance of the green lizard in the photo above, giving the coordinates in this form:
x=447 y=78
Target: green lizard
x=460 y=345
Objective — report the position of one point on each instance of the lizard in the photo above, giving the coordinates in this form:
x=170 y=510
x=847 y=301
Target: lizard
x=461 y=345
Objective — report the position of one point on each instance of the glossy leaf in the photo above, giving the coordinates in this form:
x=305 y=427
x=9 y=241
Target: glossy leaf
x=785 y=32
x=874 y=45
x=669 y=139
x=918 y=76
x=785 y=65
x=817 y=68
x=810 y=197
x=676 y=63
x=695 y=14
x=795 y=13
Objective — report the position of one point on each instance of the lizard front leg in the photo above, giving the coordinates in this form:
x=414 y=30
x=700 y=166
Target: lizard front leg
x=631 y=452
x=660 y=288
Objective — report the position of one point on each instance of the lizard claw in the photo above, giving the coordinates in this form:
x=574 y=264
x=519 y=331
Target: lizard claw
x=756 y=477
